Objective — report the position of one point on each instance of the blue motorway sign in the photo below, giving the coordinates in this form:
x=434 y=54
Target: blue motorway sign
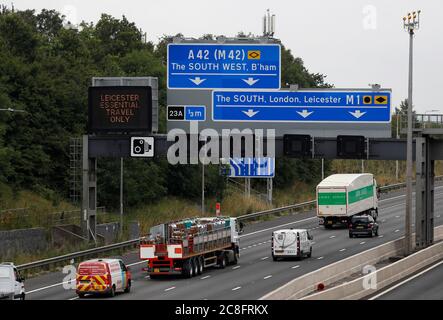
x=220 y=66
x=302 y=106
x=252 y=167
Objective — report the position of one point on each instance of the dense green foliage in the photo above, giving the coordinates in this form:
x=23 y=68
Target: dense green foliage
x=45 y=69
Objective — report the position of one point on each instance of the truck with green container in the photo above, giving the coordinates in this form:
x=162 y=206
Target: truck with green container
x=341 y=196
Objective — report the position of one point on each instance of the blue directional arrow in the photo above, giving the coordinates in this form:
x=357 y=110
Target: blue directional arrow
x=209 y=66
x=302 y=106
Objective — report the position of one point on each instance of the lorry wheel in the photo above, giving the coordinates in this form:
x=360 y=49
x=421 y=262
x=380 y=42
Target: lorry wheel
x=188 y=270
x=274 y=258
x=310 y=253
x=22 y=296
x=194 y=263
x=128 y=287
x=222 y=261
x=351 y=235
x=81 y=295
x=235 y=261
x=200 y=264
x=376 y=233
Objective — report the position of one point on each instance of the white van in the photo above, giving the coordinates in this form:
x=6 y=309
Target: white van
x=11 y=283
x=291 y=243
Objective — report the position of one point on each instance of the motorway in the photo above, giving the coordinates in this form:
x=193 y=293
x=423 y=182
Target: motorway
x=425 y=285
x=256 y=274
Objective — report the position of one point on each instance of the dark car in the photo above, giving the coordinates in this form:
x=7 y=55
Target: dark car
x=363 y=225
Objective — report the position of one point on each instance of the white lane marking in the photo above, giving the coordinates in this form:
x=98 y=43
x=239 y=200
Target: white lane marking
x=169 y=289
x=147 y=277
x=341 y=250
x=267 y=277
x=397 y=230
x=384 y=220
x=254 y=245
x=51 y=286
x=136 y=263
x=363 y=242
x=236 y=267
x=276 y=227
x=381 y=236
x=245 y=235
x=295 y=267
x=331 y=237
x=75 y=298
x=397 y=216
x=205 y=277
x=406 y=281
x=438 y=216
x=236 y=288
x=313 y=242
x=320 y=258
x=264 y=258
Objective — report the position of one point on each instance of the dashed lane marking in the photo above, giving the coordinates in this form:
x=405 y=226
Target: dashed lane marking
x=267 y=277
x=236 y=288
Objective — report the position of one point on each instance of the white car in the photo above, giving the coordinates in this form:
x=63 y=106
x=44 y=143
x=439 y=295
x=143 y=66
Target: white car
x=11 y=283
x=291 y=243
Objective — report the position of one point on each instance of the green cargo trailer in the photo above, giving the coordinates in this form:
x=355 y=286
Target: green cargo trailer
x=341 y=196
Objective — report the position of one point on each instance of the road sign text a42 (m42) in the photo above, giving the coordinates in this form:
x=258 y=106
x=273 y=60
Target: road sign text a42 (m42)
x=231 y=65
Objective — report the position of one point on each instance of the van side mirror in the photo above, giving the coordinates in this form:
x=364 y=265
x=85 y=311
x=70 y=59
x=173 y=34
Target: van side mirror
x=21 y=279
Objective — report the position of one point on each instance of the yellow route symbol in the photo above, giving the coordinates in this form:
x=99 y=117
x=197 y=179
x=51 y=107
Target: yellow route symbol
x=254 y=55
x=381 y=99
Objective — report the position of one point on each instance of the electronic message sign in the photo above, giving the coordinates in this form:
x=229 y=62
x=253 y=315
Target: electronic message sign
x=120 y=109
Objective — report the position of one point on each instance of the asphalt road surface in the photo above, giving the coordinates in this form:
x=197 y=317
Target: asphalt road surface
x=425 y=285
x=256 y=273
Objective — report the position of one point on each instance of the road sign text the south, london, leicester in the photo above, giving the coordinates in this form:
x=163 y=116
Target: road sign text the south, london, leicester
x=328 y=105
x=218 y=66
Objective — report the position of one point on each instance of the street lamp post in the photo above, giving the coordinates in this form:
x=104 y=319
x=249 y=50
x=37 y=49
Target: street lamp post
x=410 y=23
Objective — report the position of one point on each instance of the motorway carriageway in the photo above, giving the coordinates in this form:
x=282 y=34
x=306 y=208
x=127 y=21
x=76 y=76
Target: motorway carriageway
x=424 y=285
x=256 y=274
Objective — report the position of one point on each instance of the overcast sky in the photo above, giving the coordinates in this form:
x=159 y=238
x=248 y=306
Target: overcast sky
x=353 y=42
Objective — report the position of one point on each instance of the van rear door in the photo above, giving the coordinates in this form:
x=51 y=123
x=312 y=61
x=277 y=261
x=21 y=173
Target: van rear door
x=285 y=243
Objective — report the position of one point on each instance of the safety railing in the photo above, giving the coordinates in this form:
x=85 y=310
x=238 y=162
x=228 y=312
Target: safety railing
x=133 y=243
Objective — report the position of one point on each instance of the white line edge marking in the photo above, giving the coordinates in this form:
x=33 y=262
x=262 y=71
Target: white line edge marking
x=406 y=281
x=245 y=235
x=264 y=258
x=363 y=242
x=169 y=289
x=236 y=288
x=320 y=258
x=205 y=277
